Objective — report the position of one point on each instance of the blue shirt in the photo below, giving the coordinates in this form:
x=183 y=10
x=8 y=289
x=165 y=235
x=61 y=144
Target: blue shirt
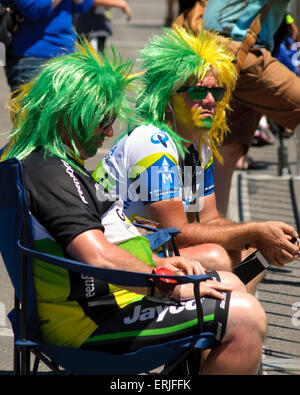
x=46 y=33
x=234 y=18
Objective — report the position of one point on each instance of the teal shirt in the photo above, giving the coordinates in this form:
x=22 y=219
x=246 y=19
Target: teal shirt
x=234 y=17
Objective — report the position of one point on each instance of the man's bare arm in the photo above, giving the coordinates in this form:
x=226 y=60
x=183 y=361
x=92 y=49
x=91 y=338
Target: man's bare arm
x=92 y=248
x=271 y=238
x=55 y=3
x=116 y=3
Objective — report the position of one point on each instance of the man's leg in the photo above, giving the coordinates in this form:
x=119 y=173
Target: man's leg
x=243 y=122
x=210 y=256
x=231 y=153
x=214 y=257
x=238 y=322
x=241 y=348
x=265 y=87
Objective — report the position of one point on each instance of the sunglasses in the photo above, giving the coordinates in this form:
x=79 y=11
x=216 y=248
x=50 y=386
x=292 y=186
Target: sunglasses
x=200 y=92
x=107 y=121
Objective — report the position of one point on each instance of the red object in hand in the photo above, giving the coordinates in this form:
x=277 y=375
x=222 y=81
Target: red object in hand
x=165 y=272
x=164 y=285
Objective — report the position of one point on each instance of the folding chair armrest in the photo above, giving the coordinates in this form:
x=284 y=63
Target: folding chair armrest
x=171 y=231
x=115 y=276
x=160 y=237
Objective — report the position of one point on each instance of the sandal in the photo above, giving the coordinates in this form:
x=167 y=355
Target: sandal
x=262 y=136
x=246 y=163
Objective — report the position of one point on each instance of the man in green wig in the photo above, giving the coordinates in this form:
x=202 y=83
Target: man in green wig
x=163 y=169
x=60 y=119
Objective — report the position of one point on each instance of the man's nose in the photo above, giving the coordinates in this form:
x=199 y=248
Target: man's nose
x=109 y=132
x=209 y=98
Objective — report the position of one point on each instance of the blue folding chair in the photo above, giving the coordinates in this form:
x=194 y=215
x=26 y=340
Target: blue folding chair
x=16 y=249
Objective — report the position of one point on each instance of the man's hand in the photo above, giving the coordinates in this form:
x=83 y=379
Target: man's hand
x=127 y=10
x=274 y=241
x=115 y=3
x=179 y=265
x=210 y=288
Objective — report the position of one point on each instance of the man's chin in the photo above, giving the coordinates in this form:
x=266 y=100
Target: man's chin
x=204 y=124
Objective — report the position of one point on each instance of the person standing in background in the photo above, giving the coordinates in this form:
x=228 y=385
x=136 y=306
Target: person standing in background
x=265 y=86
x=182 y=6
x=95 y=24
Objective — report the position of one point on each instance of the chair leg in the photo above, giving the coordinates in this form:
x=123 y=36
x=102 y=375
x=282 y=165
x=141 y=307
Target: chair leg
x=193 y=362
x=16 y=349
x=16 y=361
x=49 y=363
x=186 y=364
x=35 y=365
x=25 y=360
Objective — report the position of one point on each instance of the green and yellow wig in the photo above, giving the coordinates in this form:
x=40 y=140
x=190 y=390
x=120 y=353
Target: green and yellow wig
x=168 y=61
x=73 y=93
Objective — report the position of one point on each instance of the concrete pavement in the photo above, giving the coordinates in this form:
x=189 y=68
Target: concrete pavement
x=262 y=195
x=6 y=292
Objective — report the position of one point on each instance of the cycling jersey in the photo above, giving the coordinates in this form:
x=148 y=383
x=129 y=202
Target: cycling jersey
x=145 y=167
x=64 y=203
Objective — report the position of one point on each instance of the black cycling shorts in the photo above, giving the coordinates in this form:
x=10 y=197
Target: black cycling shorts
x=153 y=321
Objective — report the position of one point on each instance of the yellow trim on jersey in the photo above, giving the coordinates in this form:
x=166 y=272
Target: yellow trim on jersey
x=148 y=161
x=101 y=175
x=63 y=322
x=209 y=163
x=124 y=297
x=51 y=282
x=140 y=248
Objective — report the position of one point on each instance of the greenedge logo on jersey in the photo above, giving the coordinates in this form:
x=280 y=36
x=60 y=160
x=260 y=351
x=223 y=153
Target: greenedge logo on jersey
x=160 y=138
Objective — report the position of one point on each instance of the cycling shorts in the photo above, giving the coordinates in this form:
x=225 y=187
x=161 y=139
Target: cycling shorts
x=152 y=321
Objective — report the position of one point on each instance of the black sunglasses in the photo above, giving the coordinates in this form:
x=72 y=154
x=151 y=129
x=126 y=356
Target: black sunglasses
x=200 y=92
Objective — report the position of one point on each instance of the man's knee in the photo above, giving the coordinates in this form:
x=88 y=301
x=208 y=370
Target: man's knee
x=217 y=257
x=211 y=256
x=241 y=347
x=232 y=280
x=246 y=318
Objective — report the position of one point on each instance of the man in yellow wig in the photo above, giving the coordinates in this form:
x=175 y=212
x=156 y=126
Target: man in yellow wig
x=163 y=169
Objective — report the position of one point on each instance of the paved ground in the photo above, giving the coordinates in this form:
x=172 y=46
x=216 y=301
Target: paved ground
x=262 y=195
x=256 y=195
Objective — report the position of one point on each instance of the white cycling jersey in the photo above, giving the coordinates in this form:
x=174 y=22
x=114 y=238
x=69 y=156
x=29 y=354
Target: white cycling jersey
x=145 y=167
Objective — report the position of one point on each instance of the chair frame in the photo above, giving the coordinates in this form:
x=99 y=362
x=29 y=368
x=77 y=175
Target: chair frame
x=23 y=346
x=25 y=343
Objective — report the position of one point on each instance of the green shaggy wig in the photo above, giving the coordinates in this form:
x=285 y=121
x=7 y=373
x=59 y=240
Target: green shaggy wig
x=168 y=61
x=74 y=93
